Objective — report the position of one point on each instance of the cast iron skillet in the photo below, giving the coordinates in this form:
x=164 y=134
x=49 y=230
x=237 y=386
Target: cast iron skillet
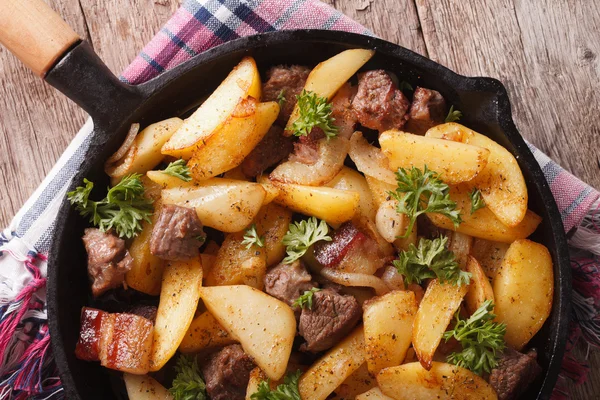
x=113 y=106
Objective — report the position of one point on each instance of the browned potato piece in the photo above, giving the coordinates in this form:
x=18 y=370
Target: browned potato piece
x=480 y=288
x=489 y=254
x=146 y=269
x=435 y=313
x=360 y=381
x=204 y=332
x=370 y=160
x=373 y=394
x=523 y=289
x=349 y=179
x=144 y=387
x=273 y=222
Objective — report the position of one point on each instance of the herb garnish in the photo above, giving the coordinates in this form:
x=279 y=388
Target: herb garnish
x=288 y=390
x=251 y=238
x=422 y=191
x=306 y=299
x=405 y=86
x=314 y=112
x=123 y=209
x=301 y=235
x=281 y=98
x=431 y=260
x=482 y=340
x=179 y=169
x=453 y=115
x=188 y=384
x=477 y=201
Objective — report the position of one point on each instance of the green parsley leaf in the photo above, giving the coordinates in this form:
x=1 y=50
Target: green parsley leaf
x=422 y=191
x=315 y=112
x=482 y=340
x=405 y=86
x=453 y=115
x=251 y=238
x=179 y=169
x=123 y=209
x=301 y=235
x=281 y=98
x=306 y=299
x=188 y=384
x=431 y=260
x=288 y=390
x=477 y=201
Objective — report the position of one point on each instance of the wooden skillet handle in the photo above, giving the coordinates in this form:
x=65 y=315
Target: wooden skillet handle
x=34 y=33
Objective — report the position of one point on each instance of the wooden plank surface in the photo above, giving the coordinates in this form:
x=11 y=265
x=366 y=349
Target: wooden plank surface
x=545 y=52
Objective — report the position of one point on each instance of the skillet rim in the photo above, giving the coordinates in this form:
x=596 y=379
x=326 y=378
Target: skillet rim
x=503 y=117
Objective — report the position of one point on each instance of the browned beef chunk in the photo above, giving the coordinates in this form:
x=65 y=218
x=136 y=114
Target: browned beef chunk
x=108 y=260
x=514 y=373
x=331 y=318
x=378 y=103
x=427 y=110
x=342 y=112
x=306 y=149
x=177 y=234
x=288 y=80
x=227 y=373
x=148 y=312
x=273 y=148
x=287 y=282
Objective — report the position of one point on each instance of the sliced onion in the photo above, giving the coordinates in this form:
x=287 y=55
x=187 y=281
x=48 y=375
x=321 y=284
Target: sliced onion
x=369 y=159
x=390 y=224
x=119 y=154
x=393 y=278
x=354 y=279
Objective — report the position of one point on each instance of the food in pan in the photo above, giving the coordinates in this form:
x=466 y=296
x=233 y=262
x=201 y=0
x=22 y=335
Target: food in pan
x=324 y=233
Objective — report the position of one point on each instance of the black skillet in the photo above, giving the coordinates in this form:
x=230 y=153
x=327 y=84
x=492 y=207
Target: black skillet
x=38 y=36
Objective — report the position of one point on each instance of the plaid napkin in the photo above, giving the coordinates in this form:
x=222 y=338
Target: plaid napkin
x=26 y=366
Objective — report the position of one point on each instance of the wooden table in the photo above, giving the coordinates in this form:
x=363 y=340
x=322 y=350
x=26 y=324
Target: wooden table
x=545 y=52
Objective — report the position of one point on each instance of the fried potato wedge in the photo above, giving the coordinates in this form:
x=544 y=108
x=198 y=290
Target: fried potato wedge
x=435 y=313
x=388 y=322
x=204 y=332
x=454 y=162
x=480 y=288
x=523 y=289
x=327 y=373
x=483 y=223
x=329 y=76
x=489 y=255
x=242 y=82
x=272 y=223
x=223 y=204
x=373 y=394
x=179 y=297
x=144 y=387
x=167 y=181
x=360 y=381
x=349 y=179
x=501 y=182
x=264 y=326
x=442 y=381
x=370 y=160
x=227 y=148
x=146 y=270
x=256 y=377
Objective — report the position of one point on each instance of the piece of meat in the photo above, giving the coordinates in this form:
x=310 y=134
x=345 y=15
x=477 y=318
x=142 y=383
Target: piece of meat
x=331 y=318
x=148 y=312
x=514 y=373
x=330 y=254
x=342 y=112
x=306 y=149
x=177 y=234
x=108 y=260
x=378 y=103
x=287 y=282
x=88 y=345
x=427 y=110
x=227 y=373
x=289 y=81
x=273 y=148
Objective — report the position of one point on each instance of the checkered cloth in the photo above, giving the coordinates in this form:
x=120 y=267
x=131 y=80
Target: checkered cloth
x=27 y=369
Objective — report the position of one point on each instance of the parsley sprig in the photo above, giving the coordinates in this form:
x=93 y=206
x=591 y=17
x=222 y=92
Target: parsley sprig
x=288 y=390
x=477 y=201
x=188 y=384
x=281 y=98
x=301 y=235
x=422 y=191
x=123 y=209
x=314 y=112
x=431 y=260
x=251 y=238
x=306 y=299
x=482 y=340
x=179 y=169
x=453 y=115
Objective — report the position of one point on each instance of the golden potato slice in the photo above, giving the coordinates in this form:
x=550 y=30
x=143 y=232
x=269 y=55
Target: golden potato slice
x=328 y=76
x=373 y=394
x=454 y=162
x=204 y=332
x=223 y=204
x=146 y=270
x=483 y=223
x=501 y=183
x=327 y=373
x=241 y=83
x=271 y=192
x=144 y=387
x=370 y=160
x=272 y=223
x=167 y=181
x=442 y=381
x=523 y=289
x=360 y=381
x=332 y=205
x=256 y=377
x=349 y=179
x=435 y=313
x=264 y=326
x=480 y=288
x=388 y=322
x=179 y=297
x=228 y=146
x=489 y=254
